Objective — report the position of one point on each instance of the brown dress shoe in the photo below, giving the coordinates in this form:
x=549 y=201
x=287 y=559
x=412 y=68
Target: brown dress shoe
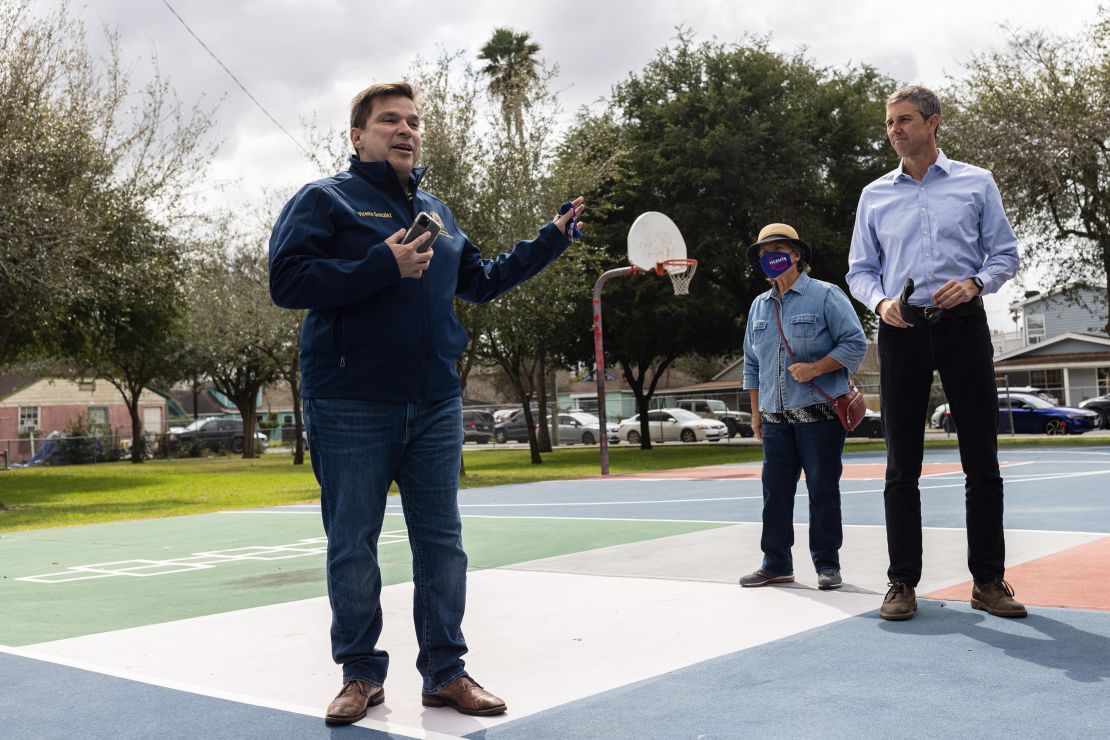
x=466 y=696
x=900 y=603
x=997 y=598
x=351 y=703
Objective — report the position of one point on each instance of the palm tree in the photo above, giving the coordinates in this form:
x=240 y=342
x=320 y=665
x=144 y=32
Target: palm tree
x=511 y=62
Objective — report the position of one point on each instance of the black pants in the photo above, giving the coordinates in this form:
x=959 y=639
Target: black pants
x=959 y=348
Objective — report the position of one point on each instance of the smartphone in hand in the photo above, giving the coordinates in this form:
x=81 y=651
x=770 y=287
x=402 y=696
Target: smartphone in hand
x=423 y=223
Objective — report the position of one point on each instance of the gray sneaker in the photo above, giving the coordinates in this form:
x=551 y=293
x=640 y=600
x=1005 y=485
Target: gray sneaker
x=828 y=579
x=763 y=578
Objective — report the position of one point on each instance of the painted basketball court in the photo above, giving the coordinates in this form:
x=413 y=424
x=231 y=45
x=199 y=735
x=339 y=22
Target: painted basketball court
x=597 y=608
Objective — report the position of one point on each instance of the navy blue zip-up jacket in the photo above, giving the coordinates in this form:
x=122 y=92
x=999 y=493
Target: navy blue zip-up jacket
x=369 y=334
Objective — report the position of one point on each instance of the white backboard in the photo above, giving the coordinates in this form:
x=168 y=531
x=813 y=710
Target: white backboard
x=654 y=238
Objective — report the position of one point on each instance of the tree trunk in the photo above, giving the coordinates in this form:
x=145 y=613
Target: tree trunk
x=137 y=441
x=298 y=415
x=636 y=383
x=533 y=442
x=249 y=424
x=543 y=435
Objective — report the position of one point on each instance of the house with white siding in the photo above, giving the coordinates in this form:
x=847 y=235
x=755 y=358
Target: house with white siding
x=1066 y=350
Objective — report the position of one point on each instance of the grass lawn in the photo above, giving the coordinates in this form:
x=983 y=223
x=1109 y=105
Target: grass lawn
x=37 y=498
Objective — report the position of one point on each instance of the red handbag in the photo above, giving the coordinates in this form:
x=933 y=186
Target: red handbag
x=850 y=407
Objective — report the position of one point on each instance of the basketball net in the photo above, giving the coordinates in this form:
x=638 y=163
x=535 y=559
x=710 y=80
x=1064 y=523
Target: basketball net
x=681 y=272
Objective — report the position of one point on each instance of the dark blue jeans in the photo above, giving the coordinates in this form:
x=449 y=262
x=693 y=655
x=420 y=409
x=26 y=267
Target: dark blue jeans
x=959 y=349
x=788 y=449
x=358 y=449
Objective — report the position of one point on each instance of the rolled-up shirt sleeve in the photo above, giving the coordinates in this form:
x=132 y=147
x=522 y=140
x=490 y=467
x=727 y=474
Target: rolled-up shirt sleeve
x=751 y=362
x=850 y=343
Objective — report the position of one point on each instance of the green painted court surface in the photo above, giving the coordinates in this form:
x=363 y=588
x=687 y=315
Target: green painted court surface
x=76 y=581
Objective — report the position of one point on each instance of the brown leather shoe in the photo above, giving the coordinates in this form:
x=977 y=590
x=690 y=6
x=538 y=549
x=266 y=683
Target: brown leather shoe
x=900 y=603
x=351 y=703
x=466 y=696
x=997 y=598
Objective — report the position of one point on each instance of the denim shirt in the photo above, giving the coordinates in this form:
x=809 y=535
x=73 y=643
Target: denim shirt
x=818 y=320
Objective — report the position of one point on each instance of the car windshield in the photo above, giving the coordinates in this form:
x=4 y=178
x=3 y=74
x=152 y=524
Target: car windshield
x=683 y=415
x=195 y=425
x=1034 y=401
x=585 y=419
x=717 y=406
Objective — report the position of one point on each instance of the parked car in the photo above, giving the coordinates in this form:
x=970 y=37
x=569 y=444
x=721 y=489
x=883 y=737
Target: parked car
x=477 y=426
x=1100 y=404
x=213 y=434
x=737 y=422
x=1034 y=415
x=936 y=421
x=667 y=425
x=870 y=426
x=578 y=427
x=501 y=415
x=514 y=429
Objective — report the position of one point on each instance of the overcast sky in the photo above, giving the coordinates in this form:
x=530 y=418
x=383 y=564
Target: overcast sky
x=301 y=59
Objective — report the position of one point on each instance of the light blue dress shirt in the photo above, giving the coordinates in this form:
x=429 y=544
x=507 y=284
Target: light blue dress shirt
x=818 y=320
x=949 y=226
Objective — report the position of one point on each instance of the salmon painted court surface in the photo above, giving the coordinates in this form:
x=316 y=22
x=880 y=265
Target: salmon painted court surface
x=600 y=608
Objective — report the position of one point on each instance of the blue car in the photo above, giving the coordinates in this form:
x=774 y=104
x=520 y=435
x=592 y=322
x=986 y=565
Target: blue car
x=1029 y=414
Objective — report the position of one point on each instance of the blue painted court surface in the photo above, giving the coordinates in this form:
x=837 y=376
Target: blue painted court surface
x=596 y=609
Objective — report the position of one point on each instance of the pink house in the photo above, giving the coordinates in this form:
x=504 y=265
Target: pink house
x=33 y=405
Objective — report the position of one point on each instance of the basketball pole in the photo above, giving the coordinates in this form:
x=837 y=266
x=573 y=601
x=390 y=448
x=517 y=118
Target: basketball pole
x=599 y=358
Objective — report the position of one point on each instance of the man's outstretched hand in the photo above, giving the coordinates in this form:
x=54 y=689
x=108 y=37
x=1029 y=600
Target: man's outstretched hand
x=561 y=220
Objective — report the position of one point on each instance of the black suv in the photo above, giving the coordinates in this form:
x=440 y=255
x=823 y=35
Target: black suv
x=214 y=434
x=477 y=426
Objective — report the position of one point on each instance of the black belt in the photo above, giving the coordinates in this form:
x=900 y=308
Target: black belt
x=930 y=313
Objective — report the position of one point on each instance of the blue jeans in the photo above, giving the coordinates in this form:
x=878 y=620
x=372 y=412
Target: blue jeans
x=358 y=449
x=788 y=449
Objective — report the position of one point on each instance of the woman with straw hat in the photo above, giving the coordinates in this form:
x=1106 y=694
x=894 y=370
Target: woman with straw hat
x=802 y=337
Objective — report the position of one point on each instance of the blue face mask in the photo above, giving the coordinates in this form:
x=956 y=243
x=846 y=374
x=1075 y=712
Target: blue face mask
x=775 y=264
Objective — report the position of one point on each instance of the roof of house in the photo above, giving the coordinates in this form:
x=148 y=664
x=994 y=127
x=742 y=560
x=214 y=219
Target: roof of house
x=16 y=380
x=1033 y=352
x=206 y=405
x=1064 y=358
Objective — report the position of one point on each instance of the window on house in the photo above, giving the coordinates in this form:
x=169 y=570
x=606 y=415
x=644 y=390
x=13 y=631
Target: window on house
x=1104 y=381
x=28 y=418
x=1050 y=381
x=98 y=418
x=88 y=386
x=1034 y=328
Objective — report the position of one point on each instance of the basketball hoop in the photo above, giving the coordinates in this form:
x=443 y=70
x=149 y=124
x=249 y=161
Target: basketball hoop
x=681 y=272
x=654 y=243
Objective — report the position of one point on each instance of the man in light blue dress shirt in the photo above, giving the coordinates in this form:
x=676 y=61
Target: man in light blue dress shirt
x=940 y=224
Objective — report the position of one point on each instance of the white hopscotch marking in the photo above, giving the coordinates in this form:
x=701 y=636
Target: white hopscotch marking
x=204 y=560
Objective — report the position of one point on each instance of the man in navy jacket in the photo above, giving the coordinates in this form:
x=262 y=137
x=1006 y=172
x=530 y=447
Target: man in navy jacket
x=382 y=399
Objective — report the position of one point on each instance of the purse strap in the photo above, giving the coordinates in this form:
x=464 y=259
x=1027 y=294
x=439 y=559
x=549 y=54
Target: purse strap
x=790 y=352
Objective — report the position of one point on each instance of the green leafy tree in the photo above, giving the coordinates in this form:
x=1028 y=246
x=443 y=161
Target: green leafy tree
x=125 y=323
x=724 y=139
x=235 y=332
x=1037 y=114
x=532 y=329
x=76 y=139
